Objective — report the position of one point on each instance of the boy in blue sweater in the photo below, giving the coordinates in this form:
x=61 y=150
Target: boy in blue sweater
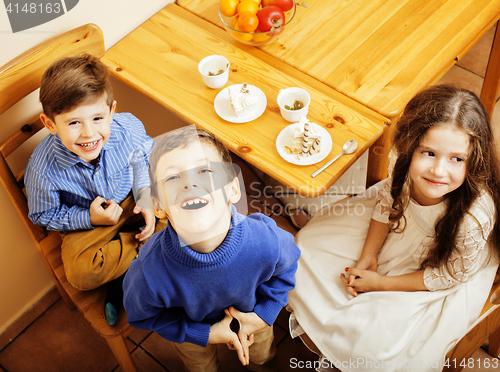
x=210 y=265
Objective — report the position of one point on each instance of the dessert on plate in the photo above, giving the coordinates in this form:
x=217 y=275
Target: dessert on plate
x=306 y=139
x=242 y=98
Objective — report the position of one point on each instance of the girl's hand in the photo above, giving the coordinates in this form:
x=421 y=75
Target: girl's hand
x=104 y=212
x=249 y=324
x=149 y=218
x=364 y=263
x=220 y=333
x=364 y=281
x=367 y=263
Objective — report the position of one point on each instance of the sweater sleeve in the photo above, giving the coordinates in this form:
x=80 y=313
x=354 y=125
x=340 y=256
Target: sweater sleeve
x=272 y=295
x=147 y=311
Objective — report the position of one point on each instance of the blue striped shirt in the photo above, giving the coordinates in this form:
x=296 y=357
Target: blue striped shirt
x=60 y=186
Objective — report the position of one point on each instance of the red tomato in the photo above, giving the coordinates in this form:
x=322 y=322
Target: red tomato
x=286 y=5
x=271 y=17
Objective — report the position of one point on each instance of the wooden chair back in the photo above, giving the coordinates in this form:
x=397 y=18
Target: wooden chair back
x=19 y=78
x=487 y=327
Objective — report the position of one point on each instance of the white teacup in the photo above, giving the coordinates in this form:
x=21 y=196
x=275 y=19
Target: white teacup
x=214 y=71
x=287 y=97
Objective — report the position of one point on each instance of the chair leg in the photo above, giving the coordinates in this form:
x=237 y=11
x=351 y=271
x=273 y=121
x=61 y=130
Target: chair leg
x=67 y=300
x=121 y=353
x=492 y=77
x=494 y=343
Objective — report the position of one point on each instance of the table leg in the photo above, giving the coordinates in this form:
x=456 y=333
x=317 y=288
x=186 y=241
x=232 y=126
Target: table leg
x=492 y=77
x=378 y=156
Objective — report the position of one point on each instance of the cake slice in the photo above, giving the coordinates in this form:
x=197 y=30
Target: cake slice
x=306 y=139
x=242 y=99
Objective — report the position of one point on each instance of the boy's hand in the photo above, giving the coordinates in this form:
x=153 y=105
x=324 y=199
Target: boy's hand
x=149 y=218
x=249 y=324
x=220 y=333
x=104 y=216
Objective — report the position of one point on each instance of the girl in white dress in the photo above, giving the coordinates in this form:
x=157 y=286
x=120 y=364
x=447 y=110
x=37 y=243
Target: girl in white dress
x=391 y=279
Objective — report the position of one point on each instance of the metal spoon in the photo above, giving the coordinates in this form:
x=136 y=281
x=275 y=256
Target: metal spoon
x=348 y=148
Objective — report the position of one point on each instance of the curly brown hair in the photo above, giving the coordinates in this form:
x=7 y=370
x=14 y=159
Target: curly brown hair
x=461 y=108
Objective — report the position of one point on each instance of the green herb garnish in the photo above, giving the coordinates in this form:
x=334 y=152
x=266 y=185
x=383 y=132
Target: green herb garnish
x=297 y=105
x=210 y=73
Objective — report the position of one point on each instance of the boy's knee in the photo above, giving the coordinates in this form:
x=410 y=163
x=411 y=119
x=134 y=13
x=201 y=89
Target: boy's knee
x=263 y=348
x=83 y=276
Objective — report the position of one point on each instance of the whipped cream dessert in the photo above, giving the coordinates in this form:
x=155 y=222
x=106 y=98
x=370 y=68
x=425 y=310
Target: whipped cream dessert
x=242 y=99
x=306 y=139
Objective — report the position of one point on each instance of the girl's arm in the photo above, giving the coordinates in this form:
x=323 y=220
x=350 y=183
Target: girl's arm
x=370 y=281
x=377 y=233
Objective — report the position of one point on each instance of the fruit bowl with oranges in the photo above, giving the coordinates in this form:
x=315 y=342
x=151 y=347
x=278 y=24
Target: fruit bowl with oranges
x=256 y=22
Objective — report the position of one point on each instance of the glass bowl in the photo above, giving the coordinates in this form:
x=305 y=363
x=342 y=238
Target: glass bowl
x=252 y=38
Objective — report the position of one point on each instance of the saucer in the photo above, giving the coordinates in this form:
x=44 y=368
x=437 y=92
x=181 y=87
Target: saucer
x=224 y=109
x=285 y=139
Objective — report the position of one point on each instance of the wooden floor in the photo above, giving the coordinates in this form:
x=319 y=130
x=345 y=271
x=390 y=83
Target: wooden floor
x=52 y=338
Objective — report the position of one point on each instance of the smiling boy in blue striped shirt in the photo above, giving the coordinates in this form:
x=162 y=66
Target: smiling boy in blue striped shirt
x=79 y=178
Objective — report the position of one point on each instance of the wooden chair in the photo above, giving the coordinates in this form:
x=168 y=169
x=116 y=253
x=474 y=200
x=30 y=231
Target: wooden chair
x=19 y=78
x=486 y=327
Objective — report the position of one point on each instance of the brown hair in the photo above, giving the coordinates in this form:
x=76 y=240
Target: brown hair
x=74 y=81
x=181 y=138
x=462 y=109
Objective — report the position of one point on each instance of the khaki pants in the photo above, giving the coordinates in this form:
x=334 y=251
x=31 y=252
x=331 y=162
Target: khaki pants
x=204 y=359
x=94 y=257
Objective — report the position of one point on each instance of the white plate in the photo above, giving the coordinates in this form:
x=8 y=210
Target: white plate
x=225 y=111
x=285 y=139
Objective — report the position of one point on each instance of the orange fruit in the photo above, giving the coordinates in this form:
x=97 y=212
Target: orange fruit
x=258 y=1
x=234 y=21
x=241 y=37
x=260 y=37
x=229 y=7
x=248 y=6
x=247 y=22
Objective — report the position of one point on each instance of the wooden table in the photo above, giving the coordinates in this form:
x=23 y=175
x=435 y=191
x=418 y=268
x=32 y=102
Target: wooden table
x=380 y=52
x=160 y=59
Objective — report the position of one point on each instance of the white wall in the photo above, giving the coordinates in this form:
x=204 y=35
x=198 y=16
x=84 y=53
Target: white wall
x=23 y=275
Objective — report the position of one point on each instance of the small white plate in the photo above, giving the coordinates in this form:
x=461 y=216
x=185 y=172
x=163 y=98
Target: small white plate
x=285 y=139
x=223 y=107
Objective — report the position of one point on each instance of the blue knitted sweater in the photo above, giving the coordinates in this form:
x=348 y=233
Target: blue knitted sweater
x=180 y=293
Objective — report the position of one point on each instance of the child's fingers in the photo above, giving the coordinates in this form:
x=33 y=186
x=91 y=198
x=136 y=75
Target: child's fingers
x=353 y=273
x=235 y=313
x=251 y=340
x=146 y=233
x=228 y=317
x=351 y=279
x=348 y=287
x=242 y=356
x=243 y=338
